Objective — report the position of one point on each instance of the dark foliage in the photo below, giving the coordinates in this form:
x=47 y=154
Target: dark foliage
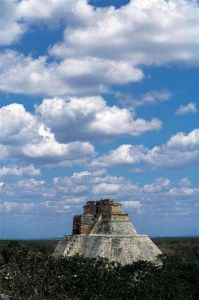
x=187 y=248
x=29 y=272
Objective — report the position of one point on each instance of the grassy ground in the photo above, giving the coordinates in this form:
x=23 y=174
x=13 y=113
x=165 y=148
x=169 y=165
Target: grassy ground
x=186 y=248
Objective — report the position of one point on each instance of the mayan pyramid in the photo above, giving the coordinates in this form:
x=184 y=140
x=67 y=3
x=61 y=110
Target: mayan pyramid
x=104 y=230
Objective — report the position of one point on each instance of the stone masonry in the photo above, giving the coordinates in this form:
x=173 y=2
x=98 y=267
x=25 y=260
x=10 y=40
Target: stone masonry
x=104 y=230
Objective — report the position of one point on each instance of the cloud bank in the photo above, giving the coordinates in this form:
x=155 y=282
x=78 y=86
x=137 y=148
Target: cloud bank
x=101 y=47
x=181 y=150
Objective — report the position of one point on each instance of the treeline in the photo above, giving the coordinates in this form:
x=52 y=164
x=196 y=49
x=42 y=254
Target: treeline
x=187 y=248
x=31 y=273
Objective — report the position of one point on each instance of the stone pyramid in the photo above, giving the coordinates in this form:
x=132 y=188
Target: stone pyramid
x=103 y=230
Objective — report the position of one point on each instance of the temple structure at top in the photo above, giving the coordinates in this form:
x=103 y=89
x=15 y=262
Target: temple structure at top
x=94 y=211
x=104 y=230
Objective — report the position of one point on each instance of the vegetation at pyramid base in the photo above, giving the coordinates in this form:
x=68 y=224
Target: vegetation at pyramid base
x=30 y=272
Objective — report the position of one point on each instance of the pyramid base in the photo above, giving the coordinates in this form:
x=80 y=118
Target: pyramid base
x=120 y=248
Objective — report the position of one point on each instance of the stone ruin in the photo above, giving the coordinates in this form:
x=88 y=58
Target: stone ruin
x=104 y=230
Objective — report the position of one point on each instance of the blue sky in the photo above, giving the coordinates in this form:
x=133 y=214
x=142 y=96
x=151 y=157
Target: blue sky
x=98 y=99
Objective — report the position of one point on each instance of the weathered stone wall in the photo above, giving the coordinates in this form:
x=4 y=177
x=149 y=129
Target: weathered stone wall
x=83 y=224
x=77 y=224
x=90 y=208
x=116 y=227
x=119 y=217
x=61 y=246
x=87 y=223
x=115 y=209
x=105 y=206
x=125 y=250
x=103 y=230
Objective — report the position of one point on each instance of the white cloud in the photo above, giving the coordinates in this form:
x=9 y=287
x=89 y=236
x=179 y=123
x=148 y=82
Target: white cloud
x=160 y=185
x=3 y=152
x=18 y=16
x=106 y=188
x=181 y=150
x=24 y=136
x=134 y=205
x=63 y=193
x=137 y=170
x=73 y=76
x=113 y=185
x=124 y=154
x=45 y=11
x=184 y=141
x=187 y=109
x=144 y=32
x=49 y=148
x=59 y=131
x=184 y=182
x=95 y=183
x=90 y=118
x=10 y=29
x=161 y=197
x=149 y=98
x=101 y=47
x=18 y=172
x=20 y=127
x=2 y=185
x=55 y=12
x=7 y=207
x=184 y=191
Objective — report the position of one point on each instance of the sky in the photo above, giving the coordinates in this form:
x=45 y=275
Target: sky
x=99 y=99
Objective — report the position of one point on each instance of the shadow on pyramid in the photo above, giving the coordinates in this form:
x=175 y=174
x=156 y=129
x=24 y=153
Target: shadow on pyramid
x=104 y=230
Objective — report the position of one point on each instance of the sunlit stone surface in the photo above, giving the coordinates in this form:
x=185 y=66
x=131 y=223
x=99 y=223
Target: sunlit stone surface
x=104 y=230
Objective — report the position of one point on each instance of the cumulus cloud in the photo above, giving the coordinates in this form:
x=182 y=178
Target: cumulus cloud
x=101 y=46
x=72 y=76
x=181 y=150
x=160 y=185
x=149 y=98
x=10 y=171
x=60 y=130
x=11 y=207
x=132 y=204
x=129 y=32
x=24 y=136
x=160 y=197
x=90 y=118
x=137 y=170
x=65 y=193
x=21 y=126
x=48 y=11
x=184 y=140
x=96 y=184
x=190 y=108
x=163 y=189
x=185 y=182
x=10 y=29
x=2 y=185
x=124 y=154
x=3 y=152
x=111 y=188
x=18 y=16
x=62 y=194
